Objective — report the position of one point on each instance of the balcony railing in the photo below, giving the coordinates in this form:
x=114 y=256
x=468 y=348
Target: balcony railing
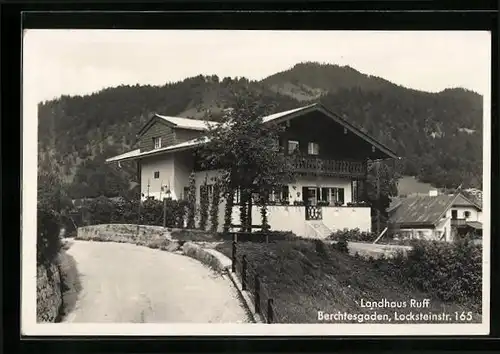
x=458 y=222
x=328 y=167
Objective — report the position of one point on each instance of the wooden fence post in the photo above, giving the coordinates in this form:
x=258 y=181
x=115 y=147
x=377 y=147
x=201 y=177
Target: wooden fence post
x=257 y=294
x=270 y=312
x=233 y=265
x=244 y=273
x=164 y=212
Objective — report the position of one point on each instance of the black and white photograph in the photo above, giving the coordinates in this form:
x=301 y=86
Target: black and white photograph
x=230 y=182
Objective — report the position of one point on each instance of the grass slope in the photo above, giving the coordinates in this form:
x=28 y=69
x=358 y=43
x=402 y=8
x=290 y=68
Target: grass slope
x=306 y=277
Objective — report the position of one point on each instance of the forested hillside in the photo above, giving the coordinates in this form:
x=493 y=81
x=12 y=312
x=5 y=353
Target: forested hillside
x=438 y=134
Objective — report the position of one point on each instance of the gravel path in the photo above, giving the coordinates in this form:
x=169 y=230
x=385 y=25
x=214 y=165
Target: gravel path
x=128 y=283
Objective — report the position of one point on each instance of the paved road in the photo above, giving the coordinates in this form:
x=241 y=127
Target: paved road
x=128 y=283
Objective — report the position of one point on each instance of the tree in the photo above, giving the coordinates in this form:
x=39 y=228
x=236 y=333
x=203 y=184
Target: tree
x=246 y=151
x=204 y=204
x=379 y=193
x=191 y=213
x=214 y=207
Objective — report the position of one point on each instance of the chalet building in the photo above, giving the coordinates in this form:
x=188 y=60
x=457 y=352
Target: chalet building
x=332 y=164
x=435 y=217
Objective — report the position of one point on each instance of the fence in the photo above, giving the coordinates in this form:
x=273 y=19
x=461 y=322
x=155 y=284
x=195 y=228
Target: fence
x=251 y=281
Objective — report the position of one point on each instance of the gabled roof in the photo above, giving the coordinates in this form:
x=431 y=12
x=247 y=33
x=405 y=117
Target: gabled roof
x=282 y=116
x=419 y=210
x=187 y=123
x=195 y=124
x=137 y=154
x=424 y=210
x=177 y=122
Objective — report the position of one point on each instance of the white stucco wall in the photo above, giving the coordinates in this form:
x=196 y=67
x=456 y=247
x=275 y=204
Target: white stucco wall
x=292 y=218
x=163 y=164
x=339 y=218
x=443 y=227
x=200 y=180
x=475 y=215
x=183 y=166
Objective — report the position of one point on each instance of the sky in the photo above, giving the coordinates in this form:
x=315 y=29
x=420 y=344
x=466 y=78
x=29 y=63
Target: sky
x=76 y=62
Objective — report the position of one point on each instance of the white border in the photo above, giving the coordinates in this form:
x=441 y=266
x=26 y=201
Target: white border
x=29 y=326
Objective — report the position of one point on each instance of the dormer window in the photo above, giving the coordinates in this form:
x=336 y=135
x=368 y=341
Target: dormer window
x=157 y=143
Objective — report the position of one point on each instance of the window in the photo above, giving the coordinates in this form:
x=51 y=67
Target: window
x=313 y=148
x=185 y=193
x=236 y=199
x=157 y=174
x=209 y=188
x=337 y=196
x=466 y=214
x=279 y=194
x=210 y=191
x=454 y=214
x=312 y=195
x=157 y=143
x=293 y=146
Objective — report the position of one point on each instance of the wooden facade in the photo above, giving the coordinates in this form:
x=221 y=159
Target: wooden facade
x=158 y=129
x=335 y=141
x=169 y=135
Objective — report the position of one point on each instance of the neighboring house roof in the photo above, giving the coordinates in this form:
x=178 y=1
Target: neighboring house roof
x=419 y=210
x=463 y=201
x=195 y=124
x=475 y=224
x=424 y=210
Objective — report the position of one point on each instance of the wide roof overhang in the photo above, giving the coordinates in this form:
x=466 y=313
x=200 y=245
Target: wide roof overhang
x=275 y=118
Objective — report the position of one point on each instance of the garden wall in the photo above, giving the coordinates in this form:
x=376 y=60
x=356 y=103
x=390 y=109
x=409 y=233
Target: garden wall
x=123 y=233
x=49 y=294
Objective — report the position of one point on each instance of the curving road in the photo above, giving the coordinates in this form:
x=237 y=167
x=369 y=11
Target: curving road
x=127 y=283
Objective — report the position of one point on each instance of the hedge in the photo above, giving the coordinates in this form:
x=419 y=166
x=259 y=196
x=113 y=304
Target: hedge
x=104 y=210
x=451 y=271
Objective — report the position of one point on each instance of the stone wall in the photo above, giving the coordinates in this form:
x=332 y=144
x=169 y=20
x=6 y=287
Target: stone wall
x=123 y=233
x=48 y=291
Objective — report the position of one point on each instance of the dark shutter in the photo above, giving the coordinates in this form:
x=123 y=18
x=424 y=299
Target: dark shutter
x=305 y=194
x=324 y=194
x=340 y=195
x=285 y=193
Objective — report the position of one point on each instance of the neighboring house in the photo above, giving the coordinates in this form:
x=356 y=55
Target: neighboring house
x=435 y=217
x=332 y=165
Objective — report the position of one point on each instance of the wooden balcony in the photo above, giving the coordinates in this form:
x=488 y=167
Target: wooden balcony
x=458 y=222
x=339 y=168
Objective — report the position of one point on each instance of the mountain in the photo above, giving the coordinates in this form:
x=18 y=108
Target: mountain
x=438 y=134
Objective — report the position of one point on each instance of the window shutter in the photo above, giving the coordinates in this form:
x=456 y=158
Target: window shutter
x=324 y=194
x=340 y=197
x=285 y=193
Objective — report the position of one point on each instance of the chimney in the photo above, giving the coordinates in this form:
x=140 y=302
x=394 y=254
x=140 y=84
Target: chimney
x=433 y=193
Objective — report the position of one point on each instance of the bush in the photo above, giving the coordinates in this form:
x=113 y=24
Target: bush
x=48 y=241
x=354 y=235
x=342 y=244
x=451 y=271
